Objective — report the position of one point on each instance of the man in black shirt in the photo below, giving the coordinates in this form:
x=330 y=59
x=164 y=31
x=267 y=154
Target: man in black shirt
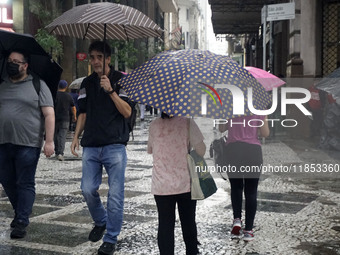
x=103 y=110
x=63 y=103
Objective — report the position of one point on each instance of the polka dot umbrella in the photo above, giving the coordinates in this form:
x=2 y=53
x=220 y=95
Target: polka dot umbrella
x=195 y=83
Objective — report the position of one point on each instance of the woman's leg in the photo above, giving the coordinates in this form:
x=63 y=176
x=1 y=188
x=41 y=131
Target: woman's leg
x=187 y=215
x=236 y=190
x=250 y=192
x=166 y=224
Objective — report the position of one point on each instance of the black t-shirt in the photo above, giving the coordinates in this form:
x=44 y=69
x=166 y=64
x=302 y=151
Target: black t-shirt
x=62 y=106
x=104 y=124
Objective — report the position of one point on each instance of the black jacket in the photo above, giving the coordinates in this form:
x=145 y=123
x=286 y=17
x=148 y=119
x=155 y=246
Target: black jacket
x=104 y=124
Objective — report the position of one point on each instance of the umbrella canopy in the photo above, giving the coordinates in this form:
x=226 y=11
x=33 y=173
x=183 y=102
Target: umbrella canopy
x=331 y=83
x=268 y=80
x=76 y=83
x=192 y=83
x=90 y=21
x=40 y=63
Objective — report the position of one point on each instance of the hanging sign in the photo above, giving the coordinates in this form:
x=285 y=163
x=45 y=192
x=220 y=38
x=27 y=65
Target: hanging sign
x=81 y=56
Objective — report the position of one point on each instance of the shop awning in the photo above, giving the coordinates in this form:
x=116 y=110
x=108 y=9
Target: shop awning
x=238 y=16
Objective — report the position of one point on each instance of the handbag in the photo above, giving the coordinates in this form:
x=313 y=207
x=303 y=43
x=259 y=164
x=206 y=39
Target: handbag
x=202 y=183
x=217 y=150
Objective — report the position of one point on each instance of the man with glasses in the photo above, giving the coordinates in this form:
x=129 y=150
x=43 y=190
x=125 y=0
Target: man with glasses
x=24 y=116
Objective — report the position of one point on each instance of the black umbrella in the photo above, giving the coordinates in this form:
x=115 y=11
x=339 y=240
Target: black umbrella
x=331 y=83
x=40 y=62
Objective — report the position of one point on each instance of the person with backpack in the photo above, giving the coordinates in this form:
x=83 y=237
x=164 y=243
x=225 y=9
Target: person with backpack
x=26 y=113
x=104 y=110
x=243 y=151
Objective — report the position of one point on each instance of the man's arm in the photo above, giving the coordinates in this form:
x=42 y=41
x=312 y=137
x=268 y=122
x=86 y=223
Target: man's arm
x=48 y=113
x=74 y=113
x=79 y=129
x=122 y=106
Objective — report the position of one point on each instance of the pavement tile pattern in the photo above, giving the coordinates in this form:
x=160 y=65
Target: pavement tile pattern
x=298 y=213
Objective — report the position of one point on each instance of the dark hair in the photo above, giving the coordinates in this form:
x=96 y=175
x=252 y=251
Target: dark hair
x=100 y=46
x=22 y=52
x=165 y=116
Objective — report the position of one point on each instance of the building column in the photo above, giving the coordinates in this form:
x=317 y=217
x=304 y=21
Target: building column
x=295 y=63
x=311 y=34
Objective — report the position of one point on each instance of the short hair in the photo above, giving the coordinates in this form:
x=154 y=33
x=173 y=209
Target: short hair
x=100 y=46
x=22 y=52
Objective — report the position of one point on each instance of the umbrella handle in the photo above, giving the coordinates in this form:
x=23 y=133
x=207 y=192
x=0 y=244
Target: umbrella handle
x=104 y=41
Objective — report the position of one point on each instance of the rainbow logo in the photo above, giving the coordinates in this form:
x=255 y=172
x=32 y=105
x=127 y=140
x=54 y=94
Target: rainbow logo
x=209 y=93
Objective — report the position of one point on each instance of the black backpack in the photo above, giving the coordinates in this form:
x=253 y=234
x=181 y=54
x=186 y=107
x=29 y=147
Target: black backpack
x=131 y=121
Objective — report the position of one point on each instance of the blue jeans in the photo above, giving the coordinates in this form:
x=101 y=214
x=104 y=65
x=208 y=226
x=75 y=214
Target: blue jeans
x=113 y=158
x=18 y=165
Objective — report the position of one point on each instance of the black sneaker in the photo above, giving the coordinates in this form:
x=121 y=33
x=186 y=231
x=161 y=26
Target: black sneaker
x=97 y=233
x=13 y=223
x=19 y=231
x=107 y=248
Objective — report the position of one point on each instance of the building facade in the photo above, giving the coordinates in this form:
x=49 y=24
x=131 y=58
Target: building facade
x=304 y=47
x=25 y=21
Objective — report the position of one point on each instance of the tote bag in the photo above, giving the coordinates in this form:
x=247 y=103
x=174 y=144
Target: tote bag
x=202 y=183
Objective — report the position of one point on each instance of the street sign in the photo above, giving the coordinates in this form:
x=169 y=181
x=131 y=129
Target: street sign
x=281 y=11
x=81 y=56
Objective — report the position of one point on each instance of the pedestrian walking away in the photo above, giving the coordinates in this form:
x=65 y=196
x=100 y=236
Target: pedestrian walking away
x=63 y=103
x=25 y=114
x=243 y=151
x=103 y=112
x=169 y=143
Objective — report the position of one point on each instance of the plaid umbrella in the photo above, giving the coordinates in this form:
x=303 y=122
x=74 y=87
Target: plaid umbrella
x=104 y=20
x=193 y=83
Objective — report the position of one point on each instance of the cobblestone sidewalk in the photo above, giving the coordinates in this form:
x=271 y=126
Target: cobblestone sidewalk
x=298 y=212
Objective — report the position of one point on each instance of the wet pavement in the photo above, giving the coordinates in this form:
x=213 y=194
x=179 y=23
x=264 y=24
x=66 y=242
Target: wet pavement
x=298 y=211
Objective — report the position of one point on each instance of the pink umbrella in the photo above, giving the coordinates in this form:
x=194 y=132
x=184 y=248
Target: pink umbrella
x=267 y=80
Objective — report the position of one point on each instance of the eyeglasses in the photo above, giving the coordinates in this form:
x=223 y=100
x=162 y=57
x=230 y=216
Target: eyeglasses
x=15 y=61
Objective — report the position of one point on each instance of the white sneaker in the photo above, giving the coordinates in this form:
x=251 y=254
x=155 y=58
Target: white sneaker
x=237 y=225
x=248 y=235
x=60 y=157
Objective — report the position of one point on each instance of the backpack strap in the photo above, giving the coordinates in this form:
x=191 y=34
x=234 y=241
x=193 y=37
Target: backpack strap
x=36 y=84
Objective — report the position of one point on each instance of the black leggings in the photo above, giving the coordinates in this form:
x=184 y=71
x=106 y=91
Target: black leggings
x=241 y=155
x=166 y=206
